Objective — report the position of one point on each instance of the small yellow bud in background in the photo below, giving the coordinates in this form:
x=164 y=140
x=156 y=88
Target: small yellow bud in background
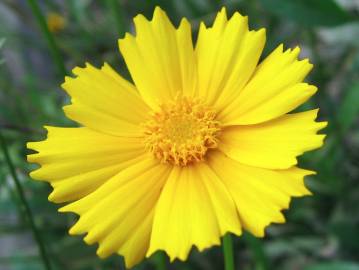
x=55 y=22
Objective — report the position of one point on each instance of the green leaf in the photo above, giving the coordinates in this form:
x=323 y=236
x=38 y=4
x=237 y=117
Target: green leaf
x=308 y=12
x=334 y=266
x=348 y=110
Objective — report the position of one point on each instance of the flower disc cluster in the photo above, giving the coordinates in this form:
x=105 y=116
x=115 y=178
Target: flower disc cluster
x=202 y=143
x=182 y=131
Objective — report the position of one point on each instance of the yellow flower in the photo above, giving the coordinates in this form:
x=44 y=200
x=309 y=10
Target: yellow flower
x=55 y=22
x=200 y=145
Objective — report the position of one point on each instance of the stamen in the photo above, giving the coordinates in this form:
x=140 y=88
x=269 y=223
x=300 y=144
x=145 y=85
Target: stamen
x=181 y=131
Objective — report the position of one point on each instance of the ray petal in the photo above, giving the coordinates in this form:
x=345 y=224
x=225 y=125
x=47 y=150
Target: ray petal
x=274 y=144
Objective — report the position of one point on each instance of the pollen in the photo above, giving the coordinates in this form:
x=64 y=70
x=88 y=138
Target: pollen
x=180 y=132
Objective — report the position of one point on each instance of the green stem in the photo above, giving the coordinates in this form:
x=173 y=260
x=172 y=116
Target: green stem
x=228 y=252
x=117 y=14
x=55 y=52
x=24 y=205
x=258 y=253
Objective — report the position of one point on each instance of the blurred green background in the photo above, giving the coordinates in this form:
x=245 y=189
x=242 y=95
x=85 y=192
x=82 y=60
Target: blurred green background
x=322 y=232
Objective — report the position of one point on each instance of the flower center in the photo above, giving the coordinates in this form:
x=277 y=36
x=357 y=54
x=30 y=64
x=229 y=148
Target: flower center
x=181 y=131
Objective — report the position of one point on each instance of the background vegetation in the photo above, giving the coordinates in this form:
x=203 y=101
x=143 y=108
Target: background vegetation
x=322 y=232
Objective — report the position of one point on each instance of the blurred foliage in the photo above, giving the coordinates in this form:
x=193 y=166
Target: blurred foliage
x=322 y=232
x=309 y=12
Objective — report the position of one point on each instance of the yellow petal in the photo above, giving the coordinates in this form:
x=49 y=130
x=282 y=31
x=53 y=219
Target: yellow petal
x=274 y=144
x=119 y=214
x=259 y=194
x=160 y=58
x=227 y=55
x=104 y=101
x=194 y=209
x=78 y=186
x=274 y=89
x=76 y=161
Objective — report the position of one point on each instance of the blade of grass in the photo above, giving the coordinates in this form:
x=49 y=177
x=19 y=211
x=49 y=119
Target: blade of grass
x=227 y=245
x=24 y=205
x=55 y=52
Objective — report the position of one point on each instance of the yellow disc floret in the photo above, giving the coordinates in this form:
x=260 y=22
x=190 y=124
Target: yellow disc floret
x=182 y=131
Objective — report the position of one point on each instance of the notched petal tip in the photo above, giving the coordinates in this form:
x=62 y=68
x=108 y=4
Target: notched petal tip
x=306 y=192
x=34 y=145
x=31 y=146
x=306 y=62
x=101 y=254
x=67 y=109
x=52 y=197
x=184 y=23
x=127 y=36
x=31 y=157
x=280 y=219
x=106 y=66
x=221 y=18
x=126 y=41
x=311 y=88
x=89 y=240
x=279 y=48
x=158 y=9
x=78 y=70
x=55 y=196
x=239 y=20
x=261 y=31
x=138 y=20
x=223 y=10
x=73 y=231
x=67 y=81
x=202 y=28
x=159 y=12
x=239 y=16
x=319 y=125
x=323 y=124
x=260 y=233
x=308 y=172
x=34 y=175
x=295 y=52
x=217 y=242
x=49 y=128
x=65 y=209
x=182 y=257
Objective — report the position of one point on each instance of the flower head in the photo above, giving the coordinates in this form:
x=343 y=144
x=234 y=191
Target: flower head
x=200 y=145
